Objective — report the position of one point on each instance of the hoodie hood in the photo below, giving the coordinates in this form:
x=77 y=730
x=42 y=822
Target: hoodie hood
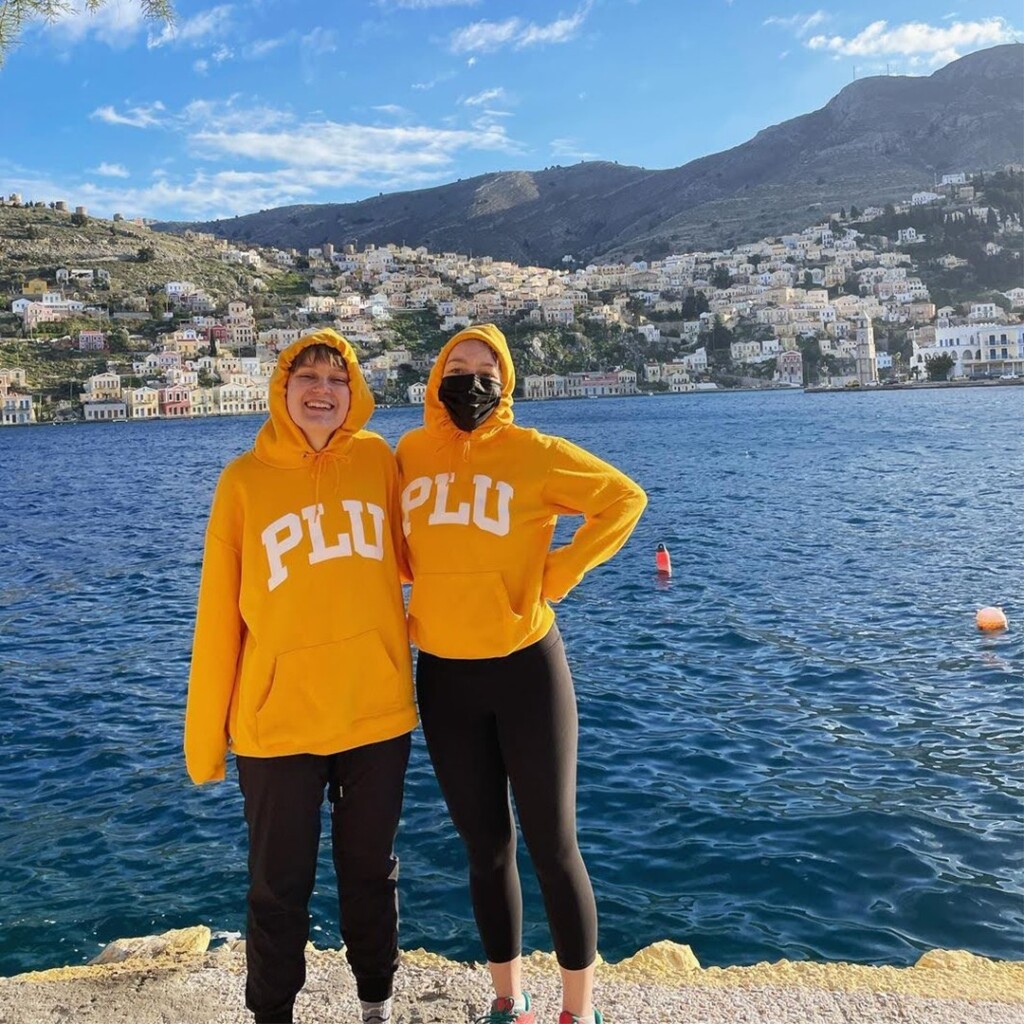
x=435 y=415
x=280 y=442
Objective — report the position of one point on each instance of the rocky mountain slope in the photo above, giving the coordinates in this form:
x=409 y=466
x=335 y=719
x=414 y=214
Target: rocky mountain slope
x=878 y=139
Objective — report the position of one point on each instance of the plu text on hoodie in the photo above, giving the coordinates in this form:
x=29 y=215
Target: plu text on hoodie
x=300 y=642
x=479 y=510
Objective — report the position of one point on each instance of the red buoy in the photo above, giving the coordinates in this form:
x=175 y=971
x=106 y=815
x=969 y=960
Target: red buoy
x=663 y=561
x=990 y=619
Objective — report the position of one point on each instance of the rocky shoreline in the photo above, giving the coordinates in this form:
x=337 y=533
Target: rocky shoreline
x=176 y=977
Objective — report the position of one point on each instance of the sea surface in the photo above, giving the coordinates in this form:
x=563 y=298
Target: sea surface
x=798 y=746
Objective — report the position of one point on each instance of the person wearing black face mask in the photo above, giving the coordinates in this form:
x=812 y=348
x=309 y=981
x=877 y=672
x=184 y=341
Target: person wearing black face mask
x=470 y=397
x=480 y=498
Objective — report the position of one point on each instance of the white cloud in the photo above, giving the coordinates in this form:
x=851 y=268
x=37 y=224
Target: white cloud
x=355 y=152
x=200 y=67
x=569 y=149
x=261 y=47
x=320 y=41
x=488 y=36
x=229 y=115
x=425 y=5
x=117 y=23
x=482 y=99
x=443 y=77
x=391 y=110
x=800 y=24
x=242 y=158
x=485 y=35
x=316 y=50
x=934 y=44
x=111 y=170
x=195 y=31
x=135 y=117
x=560 y=31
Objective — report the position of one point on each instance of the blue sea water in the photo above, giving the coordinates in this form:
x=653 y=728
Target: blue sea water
x=799 y=746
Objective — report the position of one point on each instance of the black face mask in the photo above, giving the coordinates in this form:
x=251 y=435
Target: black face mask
x=469 y=398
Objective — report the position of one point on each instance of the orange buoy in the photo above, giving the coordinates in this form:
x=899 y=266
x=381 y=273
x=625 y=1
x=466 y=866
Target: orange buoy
x=663 y=561
x=990 y=618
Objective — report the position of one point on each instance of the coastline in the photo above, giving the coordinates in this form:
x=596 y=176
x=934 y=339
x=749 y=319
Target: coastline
x=816 y=389
x=176 y=977
x=810 y=389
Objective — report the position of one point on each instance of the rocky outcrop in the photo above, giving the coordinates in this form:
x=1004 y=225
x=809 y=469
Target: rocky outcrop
x=175 y=943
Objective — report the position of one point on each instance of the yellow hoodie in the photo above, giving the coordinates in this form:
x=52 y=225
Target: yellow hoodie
x=479 y=510
x=300 y=642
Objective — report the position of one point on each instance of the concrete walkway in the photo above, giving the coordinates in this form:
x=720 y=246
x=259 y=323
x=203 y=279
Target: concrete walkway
x=663 y=984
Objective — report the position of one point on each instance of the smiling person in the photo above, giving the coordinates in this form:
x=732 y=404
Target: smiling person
x=480 y=500
x=301 y=668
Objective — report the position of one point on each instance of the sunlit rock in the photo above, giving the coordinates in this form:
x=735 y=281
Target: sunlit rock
x=177 y=942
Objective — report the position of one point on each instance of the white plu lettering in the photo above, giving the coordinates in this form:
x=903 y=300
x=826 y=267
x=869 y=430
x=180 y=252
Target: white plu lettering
x=355 y=515
x=280 y=536
x=417 y=493
x=322 y=552
x=441 y=516
x=501 y=523
x=286 y=533
x=414 y=495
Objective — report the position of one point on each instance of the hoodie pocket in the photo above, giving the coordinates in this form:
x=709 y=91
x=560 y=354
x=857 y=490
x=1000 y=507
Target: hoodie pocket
x=463 y=615
x=319 y=692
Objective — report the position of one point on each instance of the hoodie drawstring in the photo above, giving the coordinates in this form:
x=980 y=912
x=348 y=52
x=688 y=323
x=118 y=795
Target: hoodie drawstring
x=323 y=458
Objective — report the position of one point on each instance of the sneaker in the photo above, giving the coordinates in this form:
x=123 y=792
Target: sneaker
x=376 y=1013
x=503 y=1011
x=567 y=1018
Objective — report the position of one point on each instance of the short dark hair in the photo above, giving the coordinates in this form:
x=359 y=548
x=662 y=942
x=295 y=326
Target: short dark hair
x=319 y=353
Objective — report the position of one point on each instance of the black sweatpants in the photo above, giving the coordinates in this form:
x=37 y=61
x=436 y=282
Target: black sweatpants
x=490 y=722
x=283 y=797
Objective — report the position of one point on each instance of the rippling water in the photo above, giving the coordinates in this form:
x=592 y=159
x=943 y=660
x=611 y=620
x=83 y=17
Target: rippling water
x=799 y=746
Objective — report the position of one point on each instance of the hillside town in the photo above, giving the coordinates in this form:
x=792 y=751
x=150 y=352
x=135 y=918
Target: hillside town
x=783 y=312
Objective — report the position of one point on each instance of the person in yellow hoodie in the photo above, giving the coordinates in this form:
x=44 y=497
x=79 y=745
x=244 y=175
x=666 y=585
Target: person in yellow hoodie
x=480 y=499
x=301 y=668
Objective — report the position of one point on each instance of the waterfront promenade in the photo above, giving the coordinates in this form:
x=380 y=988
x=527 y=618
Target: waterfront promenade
x=187 y=984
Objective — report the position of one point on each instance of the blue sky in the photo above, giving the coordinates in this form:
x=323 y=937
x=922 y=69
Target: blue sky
x=252 y=104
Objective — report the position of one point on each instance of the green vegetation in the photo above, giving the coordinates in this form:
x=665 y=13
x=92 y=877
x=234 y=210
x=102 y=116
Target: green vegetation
x=35 y=241
x=418 y=330
x=939 y=367
x=51 y=367
x=950 y=229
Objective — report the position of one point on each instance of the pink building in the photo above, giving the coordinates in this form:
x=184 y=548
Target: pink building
x=92 y=341
x=789 y=367
x=217 y=332
x=175 y=401
x=168 y=360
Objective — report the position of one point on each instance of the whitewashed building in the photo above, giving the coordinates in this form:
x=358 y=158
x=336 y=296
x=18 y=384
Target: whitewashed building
x=976 y=349
x=105 y=409
x=16 y=409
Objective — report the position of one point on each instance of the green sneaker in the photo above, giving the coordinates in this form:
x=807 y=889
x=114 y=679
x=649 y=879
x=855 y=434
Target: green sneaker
x=503 y=1011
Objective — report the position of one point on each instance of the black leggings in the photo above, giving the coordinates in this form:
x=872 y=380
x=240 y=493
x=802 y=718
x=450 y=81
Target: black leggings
x=493 y=721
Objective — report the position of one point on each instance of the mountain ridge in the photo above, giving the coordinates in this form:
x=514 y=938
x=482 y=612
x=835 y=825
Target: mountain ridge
x=875 y=140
